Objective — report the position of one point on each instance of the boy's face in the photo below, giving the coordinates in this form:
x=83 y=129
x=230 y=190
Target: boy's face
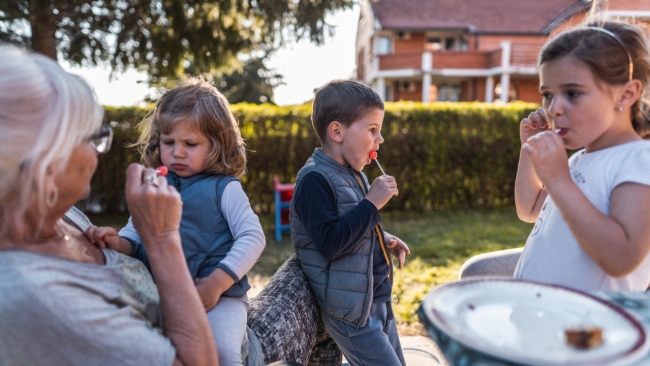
x=360 y=138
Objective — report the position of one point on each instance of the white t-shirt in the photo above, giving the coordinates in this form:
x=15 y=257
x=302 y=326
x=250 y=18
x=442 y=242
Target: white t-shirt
x=553 y=255
x=55 y=311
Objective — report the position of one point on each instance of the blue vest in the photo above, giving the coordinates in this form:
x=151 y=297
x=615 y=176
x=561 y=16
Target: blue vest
x=205 y=233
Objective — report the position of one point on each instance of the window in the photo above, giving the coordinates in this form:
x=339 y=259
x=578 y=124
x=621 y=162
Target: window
x=463 y=43
x=403 y=36
x=384 y=45
x=450 y=43
x=434 y=44
x=406 y=87
x=512 y=93
x=448 y=93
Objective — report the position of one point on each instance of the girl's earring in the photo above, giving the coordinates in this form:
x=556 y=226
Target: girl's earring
x=620 y=108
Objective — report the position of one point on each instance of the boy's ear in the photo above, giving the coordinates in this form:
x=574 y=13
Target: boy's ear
x=335 y=131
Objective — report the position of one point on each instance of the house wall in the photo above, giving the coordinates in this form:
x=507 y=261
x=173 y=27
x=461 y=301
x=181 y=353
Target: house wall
x=626 y=4
x=414 y=94
x=473 y=90
x=363 y=43
x=483 y=52
x=414 y=44
x=528 y=90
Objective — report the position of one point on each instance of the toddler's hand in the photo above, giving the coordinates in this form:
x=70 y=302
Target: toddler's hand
x=209 y=296
x=535 y=123
x=211 y=287
x=103 y=237
x=383 y=188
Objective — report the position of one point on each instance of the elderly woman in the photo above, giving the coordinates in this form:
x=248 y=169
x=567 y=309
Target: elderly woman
x=64 y=301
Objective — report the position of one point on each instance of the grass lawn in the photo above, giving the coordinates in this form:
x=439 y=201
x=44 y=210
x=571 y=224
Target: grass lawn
x=439 y=241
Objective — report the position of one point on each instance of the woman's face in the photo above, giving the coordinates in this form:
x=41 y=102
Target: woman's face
x=74 y=182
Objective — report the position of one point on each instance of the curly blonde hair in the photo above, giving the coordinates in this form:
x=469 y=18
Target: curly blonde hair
x=198 y=102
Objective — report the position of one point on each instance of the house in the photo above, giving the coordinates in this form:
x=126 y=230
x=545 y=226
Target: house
x=466 y=50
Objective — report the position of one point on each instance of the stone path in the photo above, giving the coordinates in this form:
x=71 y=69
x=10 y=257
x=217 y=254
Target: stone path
x=421 y=351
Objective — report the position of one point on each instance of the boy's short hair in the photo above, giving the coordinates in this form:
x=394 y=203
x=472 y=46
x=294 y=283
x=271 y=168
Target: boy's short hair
x=344 y=101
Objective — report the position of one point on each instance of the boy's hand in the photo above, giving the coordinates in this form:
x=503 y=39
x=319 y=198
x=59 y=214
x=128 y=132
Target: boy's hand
x=103 y=237
x=398 y=248
x=383 y=188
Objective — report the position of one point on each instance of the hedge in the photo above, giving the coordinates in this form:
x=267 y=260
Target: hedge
x=443 y=154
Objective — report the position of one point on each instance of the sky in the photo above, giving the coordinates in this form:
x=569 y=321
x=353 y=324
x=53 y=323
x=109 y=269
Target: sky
x=304 y=66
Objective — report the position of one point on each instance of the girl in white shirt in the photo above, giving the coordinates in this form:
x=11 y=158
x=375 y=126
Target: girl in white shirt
x=591 y=215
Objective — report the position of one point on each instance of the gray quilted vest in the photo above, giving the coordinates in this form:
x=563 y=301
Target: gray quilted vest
x=343 y=287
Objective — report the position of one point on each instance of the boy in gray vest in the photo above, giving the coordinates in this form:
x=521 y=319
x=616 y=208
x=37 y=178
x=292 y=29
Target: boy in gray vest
x=335 y=226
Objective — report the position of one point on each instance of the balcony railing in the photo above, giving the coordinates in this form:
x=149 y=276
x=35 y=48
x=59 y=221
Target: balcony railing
x=522 y=55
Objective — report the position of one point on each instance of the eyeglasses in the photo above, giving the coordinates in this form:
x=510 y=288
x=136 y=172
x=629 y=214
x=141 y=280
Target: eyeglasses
x=101 y=140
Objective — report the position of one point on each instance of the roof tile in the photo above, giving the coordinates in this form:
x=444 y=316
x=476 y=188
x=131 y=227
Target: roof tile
x=481 y=16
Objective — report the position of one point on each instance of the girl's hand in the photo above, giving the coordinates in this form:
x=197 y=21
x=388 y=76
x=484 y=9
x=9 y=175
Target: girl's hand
x=548 y=156
x=208 y=294
x=534 y=124
x=211 y=287
x=104 y=237
x=397 y=248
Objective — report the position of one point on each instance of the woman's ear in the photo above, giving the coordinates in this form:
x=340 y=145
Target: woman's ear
x=50 y=186
x=335 y=131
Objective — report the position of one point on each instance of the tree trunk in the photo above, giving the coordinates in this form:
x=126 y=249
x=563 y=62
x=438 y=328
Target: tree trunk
x=43 y=23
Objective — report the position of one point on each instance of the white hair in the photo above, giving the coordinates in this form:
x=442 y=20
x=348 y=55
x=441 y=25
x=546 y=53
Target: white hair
x=45 y=112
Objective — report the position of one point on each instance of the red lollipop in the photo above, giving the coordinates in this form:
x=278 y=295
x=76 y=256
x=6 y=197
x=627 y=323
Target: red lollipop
x=162 y=171
x=373 y=156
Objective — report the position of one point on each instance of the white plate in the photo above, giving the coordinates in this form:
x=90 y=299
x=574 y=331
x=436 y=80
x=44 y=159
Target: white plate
x=524 y=322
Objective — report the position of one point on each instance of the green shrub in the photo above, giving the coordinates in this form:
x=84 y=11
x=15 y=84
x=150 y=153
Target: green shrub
x=442 y=154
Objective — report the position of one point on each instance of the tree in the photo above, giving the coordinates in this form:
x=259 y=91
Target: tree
x=253 y=84
x=163 y=37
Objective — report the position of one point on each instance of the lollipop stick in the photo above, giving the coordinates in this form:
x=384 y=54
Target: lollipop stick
x=380 y=168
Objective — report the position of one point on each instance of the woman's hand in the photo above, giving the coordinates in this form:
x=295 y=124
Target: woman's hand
x=154 y=205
